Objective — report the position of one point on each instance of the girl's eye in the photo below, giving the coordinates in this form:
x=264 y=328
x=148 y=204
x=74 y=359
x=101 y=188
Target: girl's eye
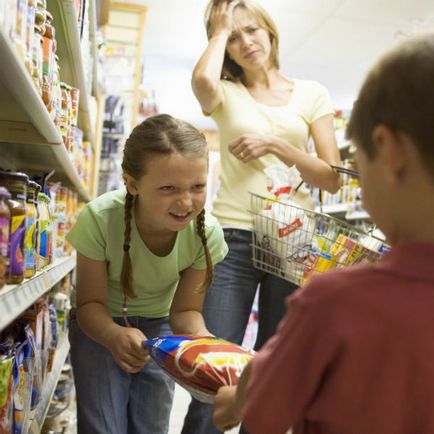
x=199 y=187
x=167 y=188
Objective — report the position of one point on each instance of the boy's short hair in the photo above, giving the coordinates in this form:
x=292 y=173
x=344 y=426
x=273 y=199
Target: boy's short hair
x=399 y=93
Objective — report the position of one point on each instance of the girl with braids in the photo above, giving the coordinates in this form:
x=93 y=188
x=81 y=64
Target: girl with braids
x=145 y=256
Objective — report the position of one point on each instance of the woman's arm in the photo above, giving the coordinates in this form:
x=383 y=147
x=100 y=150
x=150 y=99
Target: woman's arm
x=314 y=170
x=185 y=312
x=207 y=72
x=125 y=343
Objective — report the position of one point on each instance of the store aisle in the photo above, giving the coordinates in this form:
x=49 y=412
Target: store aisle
x=179 y=409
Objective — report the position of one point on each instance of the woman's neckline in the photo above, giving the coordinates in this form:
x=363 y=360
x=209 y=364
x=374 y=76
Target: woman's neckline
x=291 y=96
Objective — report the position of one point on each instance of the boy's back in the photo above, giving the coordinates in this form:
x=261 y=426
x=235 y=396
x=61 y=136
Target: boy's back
x=371 y=369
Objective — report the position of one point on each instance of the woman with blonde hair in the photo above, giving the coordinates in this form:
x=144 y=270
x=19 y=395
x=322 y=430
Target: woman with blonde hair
x=264 y=118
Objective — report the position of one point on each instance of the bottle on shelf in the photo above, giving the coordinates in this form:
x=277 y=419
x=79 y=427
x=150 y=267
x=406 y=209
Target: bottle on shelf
x=16 y=183
x=5 y=219
x=31 y=229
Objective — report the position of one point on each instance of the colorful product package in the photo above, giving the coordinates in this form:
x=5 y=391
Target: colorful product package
x=200 y=364
x=6 y=394
x=22 y=387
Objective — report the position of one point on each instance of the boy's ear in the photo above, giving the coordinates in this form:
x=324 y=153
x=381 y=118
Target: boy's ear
x=130 y=184
x=390 y=151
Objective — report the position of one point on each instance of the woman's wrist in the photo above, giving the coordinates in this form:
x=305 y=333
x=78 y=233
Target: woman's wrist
x=219 y=35
x=277 y=146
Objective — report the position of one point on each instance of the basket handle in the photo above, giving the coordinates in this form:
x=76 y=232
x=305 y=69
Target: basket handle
x=349 y=172
x=339 y=169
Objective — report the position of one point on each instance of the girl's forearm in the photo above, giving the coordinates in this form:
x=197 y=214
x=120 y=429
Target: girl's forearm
x=188 y=322
x=96 y=322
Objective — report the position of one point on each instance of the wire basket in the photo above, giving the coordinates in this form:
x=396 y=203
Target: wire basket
x=294 y=243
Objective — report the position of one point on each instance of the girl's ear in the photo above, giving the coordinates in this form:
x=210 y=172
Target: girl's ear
x=390 y=151
x=130 y=184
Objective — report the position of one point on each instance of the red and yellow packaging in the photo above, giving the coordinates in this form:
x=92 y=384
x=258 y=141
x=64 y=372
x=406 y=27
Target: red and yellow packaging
x=200 y=364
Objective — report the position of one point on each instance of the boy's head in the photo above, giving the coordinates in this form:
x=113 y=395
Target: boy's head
x=392 y=125
x=399 y=94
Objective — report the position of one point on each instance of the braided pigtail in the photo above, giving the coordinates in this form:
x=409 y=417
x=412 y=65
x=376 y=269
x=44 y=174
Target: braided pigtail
x=200 y=223
x=126 y=273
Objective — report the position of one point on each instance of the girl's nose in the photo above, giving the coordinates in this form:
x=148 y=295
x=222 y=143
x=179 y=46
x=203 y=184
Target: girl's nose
x=185 y=199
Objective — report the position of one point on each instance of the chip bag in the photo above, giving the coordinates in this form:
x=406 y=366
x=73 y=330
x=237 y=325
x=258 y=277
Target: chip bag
x=200 y=364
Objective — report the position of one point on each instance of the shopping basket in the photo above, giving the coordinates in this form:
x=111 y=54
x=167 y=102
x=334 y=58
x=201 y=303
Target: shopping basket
x=294 y=243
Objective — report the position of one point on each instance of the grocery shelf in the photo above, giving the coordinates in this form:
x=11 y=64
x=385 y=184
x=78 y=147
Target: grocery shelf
x=65 y=20
x=357 y=215
x=342 y=209
x=15 y=299
x=50 y=385
x=23 y=116
x=25 y=122
x=338 y=208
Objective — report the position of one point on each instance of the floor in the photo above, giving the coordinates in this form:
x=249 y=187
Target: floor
x=179 y=409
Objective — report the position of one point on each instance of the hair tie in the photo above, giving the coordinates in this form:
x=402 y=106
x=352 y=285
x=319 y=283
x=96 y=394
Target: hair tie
x=126 y=247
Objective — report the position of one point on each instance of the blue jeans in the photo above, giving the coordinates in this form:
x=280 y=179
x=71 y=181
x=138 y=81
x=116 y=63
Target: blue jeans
x=111 y=401
x=227 y=308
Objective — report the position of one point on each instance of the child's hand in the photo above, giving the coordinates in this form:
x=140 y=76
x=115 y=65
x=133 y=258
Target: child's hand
x=128 y=349
x=226 y=414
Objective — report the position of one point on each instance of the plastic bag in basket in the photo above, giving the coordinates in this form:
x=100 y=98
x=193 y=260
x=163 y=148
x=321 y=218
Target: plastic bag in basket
x=200 y=364
x=283 y=224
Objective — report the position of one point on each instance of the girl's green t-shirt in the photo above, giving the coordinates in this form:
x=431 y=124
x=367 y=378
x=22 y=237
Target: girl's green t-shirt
x=99 y=234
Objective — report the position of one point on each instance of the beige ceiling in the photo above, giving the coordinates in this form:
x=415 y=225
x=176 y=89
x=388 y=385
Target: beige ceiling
x=332 y=41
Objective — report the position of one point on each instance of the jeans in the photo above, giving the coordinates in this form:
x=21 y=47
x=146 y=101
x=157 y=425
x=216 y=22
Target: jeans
x=227 y=308
x=111 y=401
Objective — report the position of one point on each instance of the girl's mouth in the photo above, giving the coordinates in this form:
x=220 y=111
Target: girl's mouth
x=181 y=217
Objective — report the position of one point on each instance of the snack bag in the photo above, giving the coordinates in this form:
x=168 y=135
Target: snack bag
x=200 y=364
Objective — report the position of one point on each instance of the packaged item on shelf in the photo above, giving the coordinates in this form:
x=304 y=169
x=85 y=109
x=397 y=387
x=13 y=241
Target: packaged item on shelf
x=56 y=93
x=19 y=32
x=62 y=307
x=6 y=394
x=48 y=47
x=45 y=231
x=5 y=223
x=41 y=15
x=200 y=364
x=30 y=35
x=22 y=386
x=50 y=30
x=37 y=59
x=31 y=229
x=16 y=183
x=60 y=213
x=75 y=96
